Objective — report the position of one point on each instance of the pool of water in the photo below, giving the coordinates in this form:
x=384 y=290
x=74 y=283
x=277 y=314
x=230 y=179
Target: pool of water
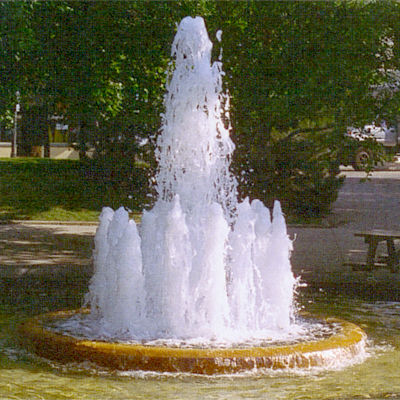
x=23 y=376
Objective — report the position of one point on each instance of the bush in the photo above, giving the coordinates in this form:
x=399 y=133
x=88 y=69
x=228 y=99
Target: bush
x=119 y=166
x=298 y=173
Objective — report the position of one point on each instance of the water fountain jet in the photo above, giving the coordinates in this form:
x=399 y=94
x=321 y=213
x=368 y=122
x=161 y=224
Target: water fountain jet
x=204 y=274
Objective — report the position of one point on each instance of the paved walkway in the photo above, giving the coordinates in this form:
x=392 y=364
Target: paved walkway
x=27 y=248
x=44 y=267
x=320 y=253
x=44 y=257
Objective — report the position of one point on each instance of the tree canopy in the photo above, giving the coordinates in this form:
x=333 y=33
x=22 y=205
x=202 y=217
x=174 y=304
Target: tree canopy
x=293 y=69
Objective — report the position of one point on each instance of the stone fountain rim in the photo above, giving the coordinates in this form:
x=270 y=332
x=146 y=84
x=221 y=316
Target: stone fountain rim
x=346 y=343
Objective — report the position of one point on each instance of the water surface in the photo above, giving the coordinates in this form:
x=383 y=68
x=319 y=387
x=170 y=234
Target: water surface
x=23 y=376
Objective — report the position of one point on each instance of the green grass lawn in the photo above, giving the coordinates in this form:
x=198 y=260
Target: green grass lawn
x=71 y=190
x=47 y=189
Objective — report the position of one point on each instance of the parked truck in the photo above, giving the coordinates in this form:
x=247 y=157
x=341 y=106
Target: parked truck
x=371 y=144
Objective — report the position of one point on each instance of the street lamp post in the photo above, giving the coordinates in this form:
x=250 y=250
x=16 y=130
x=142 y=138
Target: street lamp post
x=14 y=143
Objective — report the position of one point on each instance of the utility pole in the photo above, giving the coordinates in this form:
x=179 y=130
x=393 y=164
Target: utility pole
x=17 y=110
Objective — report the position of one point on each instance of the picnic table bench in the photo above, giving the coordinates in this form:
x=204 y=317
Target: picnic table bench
x=373 y=238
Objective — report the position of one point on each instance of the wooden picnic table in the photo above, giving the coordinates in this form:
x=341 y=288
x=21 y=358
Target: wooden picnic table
x=373 y=238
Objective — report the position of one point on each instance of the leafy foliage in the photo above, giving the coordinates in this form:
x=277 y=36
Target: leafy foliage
x=302 y=73
x=298 y=74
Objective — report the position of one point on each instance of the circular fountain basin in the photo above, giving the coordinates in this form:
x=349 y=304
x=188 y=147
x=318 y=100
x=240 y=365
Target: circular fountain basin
x=343 y=345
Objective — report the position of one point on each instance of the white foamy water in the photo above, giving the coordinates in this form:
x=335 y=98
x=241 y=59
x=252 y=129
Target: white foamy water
x=201 y=264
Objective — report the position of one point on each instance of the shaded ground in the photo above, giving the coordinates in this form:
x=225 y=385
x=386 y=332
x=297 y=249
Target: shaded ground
x=320 y=253
x=46 y=267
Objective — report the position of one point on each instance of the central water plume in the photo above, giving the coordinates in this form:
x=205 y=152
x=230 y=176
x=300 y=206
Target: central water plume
x=201 y=264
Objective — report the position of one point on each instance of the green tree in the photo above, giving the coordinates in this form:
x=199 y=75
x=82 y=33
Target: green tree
x=298 y=74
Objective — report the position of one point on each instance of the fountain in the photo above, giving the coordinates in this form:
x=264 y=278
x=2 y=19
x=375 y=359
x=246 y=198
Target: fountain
x=204 y=284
